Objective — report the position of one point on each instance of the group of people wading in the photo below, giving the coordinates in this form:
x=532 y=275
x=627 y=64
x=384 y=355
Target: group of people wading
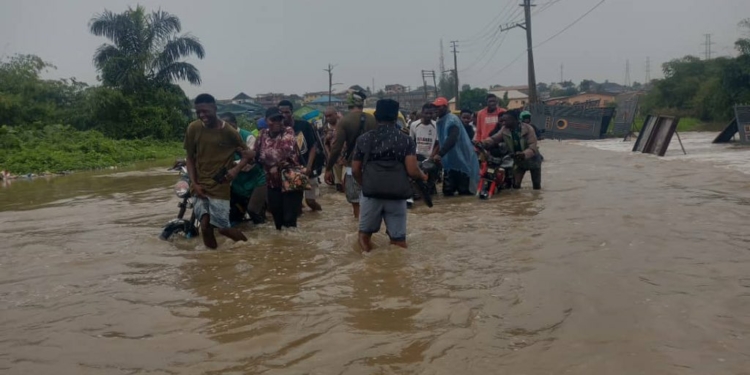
x=371 y=158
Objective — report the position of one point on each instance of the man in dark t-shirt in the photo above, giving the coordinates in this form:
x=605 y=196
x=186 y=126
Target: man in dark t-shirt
x=308 y=145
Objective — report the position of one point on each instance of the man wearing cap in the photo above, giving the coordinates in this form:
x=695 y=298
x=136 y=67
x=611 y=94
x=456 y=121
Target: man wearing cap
x=349 y=129
x=456 y=154
x=488 y=118
x=395 y=152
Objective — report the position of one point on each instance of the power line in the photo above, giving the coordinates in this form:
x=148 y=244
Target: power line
x=495 y=38
x=571 y=25
x=548 y=39
x=489 y=28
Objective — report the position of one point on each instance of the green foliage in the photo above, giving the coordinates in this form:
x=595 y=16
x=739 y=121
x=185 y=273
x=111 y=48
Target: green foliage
x=473 y=99
x=57 y=148
x=705 y=89
x=145 y=49
x=447 y=86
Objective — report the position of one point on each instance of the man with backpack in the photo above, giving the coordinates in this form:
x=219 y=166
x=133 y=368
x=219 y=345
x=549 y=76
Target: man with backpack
x=350 y=128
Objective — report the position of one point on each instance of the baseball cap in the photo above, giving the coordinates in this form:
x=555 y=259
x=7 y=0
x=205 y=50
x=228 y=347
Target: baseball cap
x=273 y=112
x=440 y=102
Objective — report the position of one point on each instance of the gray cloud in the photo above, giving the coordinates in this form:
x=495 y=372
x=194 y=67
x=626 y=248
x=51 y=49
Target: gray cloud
x=283 y=45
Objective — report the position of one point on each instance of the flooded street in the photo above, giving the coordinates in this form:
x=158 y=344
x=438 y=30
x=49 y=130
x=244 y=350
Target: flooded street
x=624 y=264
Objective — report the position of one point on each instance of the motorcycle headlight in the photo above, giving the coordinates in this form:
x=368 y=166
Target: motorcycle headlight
x=181 y=188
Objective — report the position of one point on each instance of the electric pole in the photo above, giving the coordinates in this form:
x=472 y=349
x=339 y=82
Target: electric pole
x=707 y=45
x=330 y=82
x=627 y=73
x=648 y=70
x=428 y=74
x=455 y=72
x=532 y=75
x=561 y=74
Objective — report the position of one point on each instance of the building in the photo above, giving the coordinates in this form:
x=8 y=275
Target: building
x=516 y=98
x=409 y=101
x=242 y=98
x=323 y=102
x=311 y=96
x=602 y=99
x=395 y=89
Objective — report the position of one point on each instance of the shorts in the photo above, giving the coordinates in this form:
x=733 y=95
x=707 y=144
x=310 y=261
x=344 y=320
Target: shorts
x=351 y=187
x=216 y=209
x=314 y=189
x=373 y=211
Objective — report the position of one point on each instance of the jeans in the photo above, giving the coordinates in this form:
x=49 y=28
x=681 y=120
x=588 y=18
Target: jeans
x=284 y=207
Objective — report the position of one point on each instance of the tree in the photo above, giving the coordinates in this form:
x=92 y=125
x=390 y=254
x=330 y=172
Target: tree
x=473 y=99
x=743 y=44
x=587 y=85
x=145 y=49
x=446 y=86
x=542 y=87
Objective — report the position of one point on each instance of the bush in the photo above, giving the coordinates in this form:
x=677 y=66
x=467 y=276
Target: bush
x=57 y=148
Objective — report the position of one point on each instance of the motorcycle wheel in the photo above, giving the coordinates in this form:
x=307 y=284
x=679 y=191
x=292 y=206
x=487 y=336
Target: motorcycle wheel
x=171 y=228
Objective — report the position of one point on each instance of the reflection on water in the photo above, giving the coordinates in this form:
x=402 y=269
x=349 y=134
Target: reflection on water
x=624 y=263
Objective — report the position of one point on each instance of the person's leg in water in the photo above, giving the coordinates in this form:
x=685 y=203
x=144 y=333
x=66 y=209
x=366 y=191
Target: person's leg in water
x=463 y=184
x=276 y=206
x=256 y=208
x=369 y=221
x=202 y=210
x=518 y=177
x=219 y=218
x=536 y=178
x=394 y=215
x=312 y=194
x=352 y=190
x=207 y=232
x=450 y=183
x=292 y=203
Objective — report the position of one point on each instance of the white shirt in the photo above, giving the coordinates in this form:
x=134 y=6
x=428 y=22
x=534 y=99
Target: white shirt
x=425 y=136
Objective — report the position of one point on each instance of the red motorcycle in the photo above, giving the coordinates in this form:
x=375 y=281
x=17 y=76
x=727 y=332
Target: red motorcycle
x=495 y=172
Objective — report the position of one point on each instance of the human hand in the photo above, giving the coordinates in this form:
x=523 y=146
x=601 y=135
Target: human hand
x=198 y=191
x=231 y=175
x=520 y=156
x=329 y=177
x=437 y=158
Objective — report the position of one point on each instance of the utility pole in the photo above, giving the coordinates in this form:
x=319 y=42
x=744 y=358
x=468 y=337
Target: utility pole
x=372 y=91
x=330 y=82
x=648 y=70
x=627 y=73
x=707 y=45
x=455 y=72
x=529 y=48
x=428 y=74
x=561 y=74
x=532 y=74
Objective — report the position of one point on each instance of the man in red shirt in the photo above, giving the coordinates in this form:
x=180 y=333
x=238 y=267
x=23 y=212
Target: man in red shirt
x=488 y=118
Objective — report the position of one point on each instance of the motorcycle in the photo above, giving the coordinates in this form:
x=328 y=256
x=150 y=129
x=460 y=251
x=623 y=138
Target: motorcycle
x=496 y=171
x=427 y=188
x=189 y=227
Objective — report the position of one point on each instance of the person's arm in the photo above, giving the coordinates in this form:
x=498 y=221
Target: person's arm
x=435 y=149
x=412 y=168
x=450 y=142
x=357 y=163
x=338 y=145
x=480 y=121
x=246 y=153
x=190 y=151
x=313 y=152
x=531 y=142
x=494 y=139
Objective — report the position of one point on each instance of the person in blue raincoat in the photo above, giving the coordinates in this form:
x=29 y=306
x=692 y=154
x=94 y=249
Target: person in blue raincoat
x=456 y=154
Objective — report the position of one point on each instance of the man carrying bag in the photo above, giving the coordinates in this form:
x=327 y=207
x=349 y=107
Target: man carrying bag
x=382 y=163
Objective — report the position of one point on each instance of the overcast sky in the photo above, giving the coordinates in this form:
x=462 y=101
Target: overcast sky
x=264 y=46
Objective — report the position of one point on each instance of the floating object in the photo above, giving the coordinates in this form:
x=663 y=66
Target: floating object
x=740 y=124
x=656 y=134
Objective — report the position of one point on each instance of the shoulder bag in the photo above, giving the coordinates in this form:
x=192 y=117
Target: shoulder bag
x=385 y=179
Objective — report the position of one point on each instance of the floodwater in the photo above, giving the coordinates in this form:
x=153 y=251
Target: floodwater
x=624 y=264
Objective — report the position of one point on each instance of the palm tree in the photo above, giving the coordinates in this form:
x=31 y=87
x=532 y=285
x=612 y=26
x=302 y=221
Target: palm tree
x=145 y=49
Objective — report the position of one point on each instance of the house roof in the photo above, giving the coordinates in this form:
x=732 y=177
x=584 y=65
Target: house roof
x=324 y=100
x=241 y=96
x=512 y=94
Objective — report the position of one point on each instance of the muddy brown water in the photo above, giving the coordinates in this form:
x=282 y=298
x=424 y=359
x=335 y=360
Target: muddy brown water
x=623 y=264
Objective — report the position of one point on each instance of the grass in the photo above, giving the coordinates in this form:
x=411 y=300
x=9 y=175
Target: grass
x=57 y=148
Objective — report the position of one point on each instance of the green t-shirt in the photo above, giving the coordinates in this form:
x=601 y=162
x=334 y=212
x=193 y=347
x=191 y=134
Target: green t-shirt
x=247 y=181
x=212 y=150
